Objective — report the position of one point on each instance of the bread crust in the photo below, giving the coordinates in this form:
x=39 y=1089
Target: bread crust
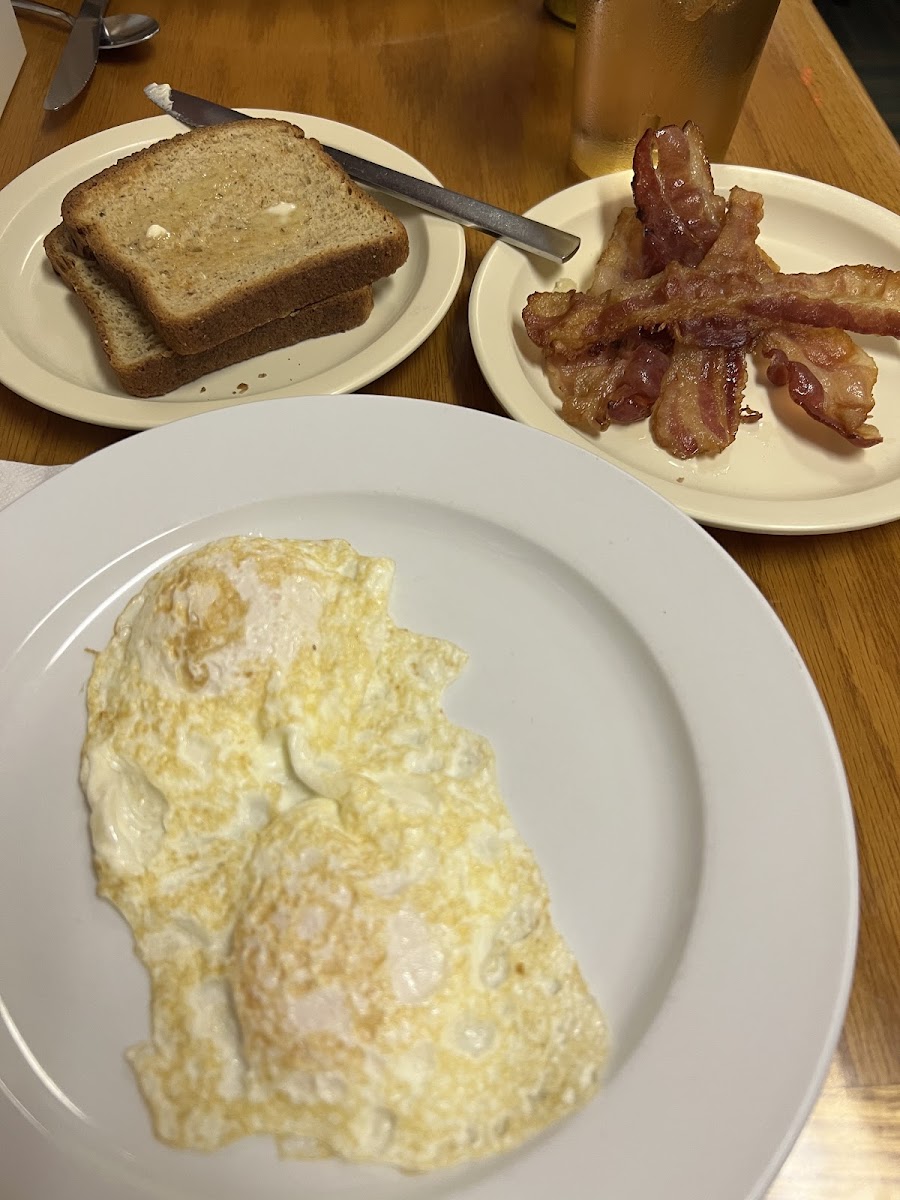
x=247 y=305
x=160 y=369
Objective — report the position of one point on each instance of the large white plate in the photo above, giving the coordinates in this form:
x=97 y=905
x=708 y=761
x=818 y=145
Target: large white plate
x=49 y=351
x=786 y=474
x=659 y=742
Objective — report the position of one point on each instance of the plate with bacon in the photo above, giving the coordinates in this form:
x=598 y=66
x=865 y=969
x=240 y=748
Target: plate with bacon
x=723 y=334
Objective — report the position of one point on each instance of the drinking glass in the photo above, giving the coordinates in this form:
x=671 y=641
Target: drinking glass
x=640 y=64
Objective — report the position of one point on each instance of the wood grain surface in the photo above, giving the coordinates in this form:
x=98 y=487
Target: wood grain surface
x=478 y=90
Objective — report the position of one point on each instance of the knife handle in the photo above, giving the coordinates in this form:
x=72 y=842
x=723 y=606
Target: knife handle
x=520 y=231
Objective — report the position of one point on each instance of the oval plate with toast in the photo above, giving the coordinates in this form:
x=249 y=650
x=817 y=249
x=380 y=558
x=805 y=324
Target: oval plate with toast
x=49 y=351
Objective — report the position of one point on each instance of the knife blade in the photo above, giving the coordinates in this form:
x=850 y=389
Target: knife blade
x=79 y=56
x=533 y=236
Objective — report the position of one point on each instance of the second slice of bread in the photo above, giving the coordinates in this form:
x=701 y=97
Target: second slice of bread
x=145 y=365
x=220 y=230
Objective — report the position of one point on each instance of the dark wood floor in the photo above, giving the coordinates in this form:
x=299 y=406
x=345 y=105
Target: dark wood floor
x=869 y=34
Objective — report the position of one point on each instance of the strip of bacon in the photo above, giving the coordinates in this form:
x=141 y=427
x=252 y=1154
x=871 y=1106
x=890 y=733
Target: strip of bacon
x=732 y=296
x=544 y=311
x=735 y=247
x=680 y=219
x=726 y=308
x=642 y=360
x=619 y=263
x=597 y=342
x=825 y=371
x=622 y=258
x=630 y=384
x=675 y=196
x=603 y=385
x=699 y=405
x=827 y=374
x=579 y=383
x=566 y=322
x=610 y=385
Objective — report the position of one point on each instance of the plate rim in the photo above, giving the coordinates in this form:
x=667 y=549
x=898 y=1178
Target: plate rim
x=751 y=515
x=443 y=269
x=65 y=497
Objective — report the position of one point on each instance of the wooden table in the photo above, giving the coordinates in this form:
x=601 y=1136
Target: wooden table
x=479 y=91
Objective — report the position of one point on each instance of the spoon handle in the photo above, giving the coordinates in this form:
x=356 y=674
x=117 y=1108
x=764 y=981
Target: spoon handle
x=43 y=10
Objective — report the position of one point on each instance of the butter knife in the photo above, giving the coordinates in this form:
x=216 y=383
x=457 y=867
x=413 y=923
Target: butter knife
x=519 y=231
x=79 y=56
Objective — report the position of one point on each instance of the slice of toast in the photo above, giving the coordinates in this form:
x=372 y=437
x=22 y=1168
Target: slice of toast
x=219 y=230
x=145 y=365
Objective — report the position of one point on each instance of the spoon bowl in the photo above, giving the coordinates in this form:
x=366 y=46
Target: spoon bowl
x=116 y=32
x=126 y=29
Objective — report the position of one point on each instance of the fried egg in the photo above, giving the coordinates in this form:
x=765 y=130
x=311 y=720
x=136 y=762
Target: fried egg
x=349 y=946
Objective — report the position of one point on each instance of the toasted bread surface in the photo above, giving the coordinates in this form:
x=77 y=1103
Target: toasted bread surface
x=145 y=365
x=219 y=230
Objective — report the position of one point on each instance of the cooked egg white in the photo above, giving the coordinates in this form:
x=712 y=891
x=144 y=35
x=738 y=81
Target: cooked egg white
x=350 y=947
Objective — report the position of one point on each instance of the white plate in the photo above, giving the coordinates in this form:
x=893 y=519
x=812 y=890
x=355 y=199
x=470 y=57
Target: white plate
x=786 y=474
x=49 y=352
x=659 y=743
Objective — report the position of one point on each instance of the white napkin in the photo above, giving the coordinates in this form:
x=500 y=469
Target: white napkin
x=18 y=478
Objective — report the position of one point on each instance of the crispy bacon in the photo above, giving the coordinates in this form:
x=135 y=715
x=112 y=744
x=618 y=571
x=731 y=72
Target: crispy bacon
x=682 y=292
x=619 y=263
x=611 y=385
x=827 y=374
x=622 y=259
x=543 y=312
x=699 y=405
x=629 y=409
x=825 y=371
x=675 y=196
x=566 y=322
x=719 y=308
x=735 y=247
x=603 y=385
x=643 y=361
x=680 y=219
x=698 y=409
x=733 y=296
x=580 y=383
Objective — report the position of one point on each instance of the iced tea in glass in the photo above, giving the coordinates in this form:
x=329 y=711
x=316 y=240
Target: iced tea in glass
x=646 y=63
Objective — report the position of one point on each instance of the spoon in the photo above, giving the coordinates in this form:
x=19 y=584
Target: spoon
x=116 y=32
